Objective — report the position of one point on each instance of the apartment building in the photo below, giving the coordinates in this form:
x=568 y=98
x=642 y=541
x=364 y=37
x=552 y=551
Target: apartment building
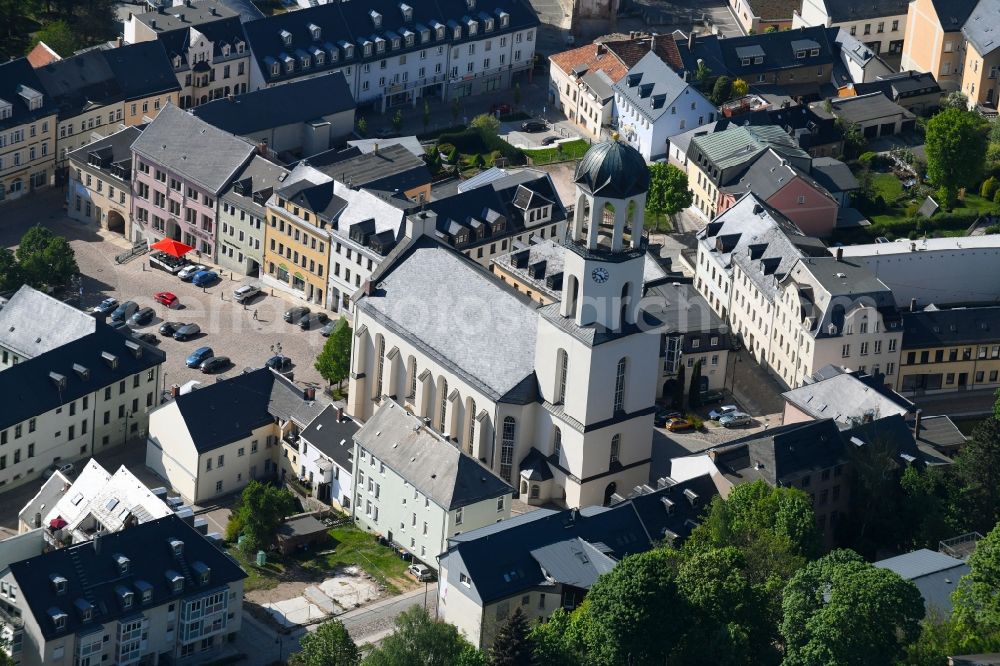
x=243 y=216
x=416 y=488
x=205 y=44
x=156 y=592
x=180 y=167
x=393 y=54
x=100 y=182
x=982 y=55
x=580 y=84
x=879 y=24
x=101 y=90
x=391 y=170
x=32 y=323
x=848 y=397
x=950 y=350
x=326 y=464
x=72 y=401
x=28 y=119
x=933 y=40
x=213 y=441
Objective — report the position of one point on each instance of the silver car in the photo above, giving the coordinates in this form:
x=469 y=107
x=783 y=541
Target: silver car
x=735 y=419
x=245 y=293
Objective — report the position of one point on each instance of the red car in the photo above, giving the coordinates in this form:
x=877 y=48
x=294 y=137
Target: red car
x=165 y=298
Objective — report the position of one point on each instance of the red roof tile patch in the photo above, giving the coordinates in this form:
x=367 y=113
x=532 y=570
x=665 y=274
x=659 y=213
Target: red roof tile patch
x=593 y=57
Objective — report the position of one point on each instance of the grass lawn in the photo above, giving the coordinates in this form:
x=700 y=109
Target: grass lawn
x=356 y=547
x=887 y=185
x=564 y=152
x=258 y=578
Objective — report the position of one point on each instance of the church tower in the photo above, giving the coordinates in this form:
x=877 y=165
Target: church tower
x=596 y=357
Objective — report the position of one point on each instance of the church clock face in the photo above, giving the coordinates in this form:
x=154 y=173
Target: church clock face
x=600 y=275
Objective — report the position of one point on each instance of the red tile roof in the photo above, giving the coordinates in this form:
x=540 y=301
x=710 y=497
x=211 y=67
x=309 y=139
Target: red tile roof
x=631 y=51
x=42 y=55
x=593 y=57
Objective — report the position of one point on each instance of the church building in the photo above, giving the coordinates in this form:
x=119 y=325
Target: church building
x=557 y=399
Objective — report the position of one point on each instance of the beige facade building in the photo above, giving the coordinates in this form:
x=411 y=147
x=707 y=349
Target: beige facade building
x=27 y=131
x=100 y=176
x=982 y=55
x=950 y=350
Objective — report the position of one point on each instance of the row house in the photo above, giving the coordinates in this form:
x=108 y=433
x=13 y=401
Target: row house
x=180 y=167
x=100 y=91
x=28 y=119
x=100 y=182
x=878 y=24
x=950 y=350
x=158 y=592
x=393 y=54
x=243 y=216
x=934 y=42
x=205 y=44
x=796 y=308
x=73 y=401
x=416 y=489
x=326 y=466
x=391 y=170
x=763 y=15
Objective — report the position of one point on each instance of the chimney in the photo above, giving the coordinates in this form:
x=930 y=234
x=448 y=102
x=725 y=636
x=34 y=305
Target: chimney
x=652 y=43
x=310 y=393
x=712 y=454
x=262 y=148
x=340 y=414
x=118 y=41
x=97 y=541
x=175 y=390
x=916 y=424
x=152 y=23
x=913 y=304
x=691 y=37
x=376 y=149
x=840 y=254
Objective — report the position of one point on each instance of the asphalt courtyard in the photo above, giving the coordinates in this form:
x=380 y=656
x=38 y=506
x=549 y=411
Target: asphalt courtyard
x=229 y=328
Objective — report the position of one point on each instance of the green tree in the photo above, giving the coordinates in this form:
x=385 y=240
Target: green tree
x=486 y=122
x=362 y=126
x=988 y=188
x=694 y=390
x=10 y=270
x=721 y=90
x=517 y=94
x=740 y=88
x=426 y=115
x=17 y=16
x=334 y=360
x=924 y=510
x=977 y=467
x=634 y=614
x=422 y=641
x=329 y=645
x=854 y=138
x=678 y=396
x=976 y=609
x=956 y=99
x=512 y=646
x=702 y=75
x=771 y=28
x=59 y=37
x=45 y=259
x=876 y=495
x=553 y=641
x=668 y=191
x=397 y=120
x=996 y=405
x=456 y=110
x=956 y=150
x=258 y=514
x=843 y=610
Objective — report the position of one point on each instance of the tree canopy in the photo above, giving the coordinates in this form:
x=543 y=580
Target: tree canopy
x=59 y=37
x=329 y=645
x=43 y=259
x=668 y=190
x=334 y=361
x=512 y=646
x=258 y=514
x=977 y=600
x=956 y=150
x=486 y=122
x=422 y=641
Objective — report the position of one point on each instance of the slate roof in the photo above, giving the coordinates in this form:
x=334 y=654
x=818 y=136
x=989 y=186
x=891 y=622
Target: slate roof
x=941 y=433
x=842 y=11
x=494 y=349
x=184 y=16
x=952 y=14
x=429 y=462
x=600 y=84
x=351 y=22
x=612 y=169
x=80 y=82
x=768 y=174
x=334 y=438
x=245 y=8
x=29 y=390
x=298 y=101
x=258 y=180
x=541 y=548
x=834 y=175
x=723 y=55
x=863 y=108
x=392 y=167
x=316 y=197
x=113 y=154
x=683 y=310
x=778 y=454
x=652 y=87
x=16 y=75
x=847 y=397
x=901 y=86
x=32 y=323
x=935 y=574
x=958 y=326
x=588 y=59
x=225 y=411
x=142 y=69
x=92 y=575
x=982 y=28
x=193 y=148
x=774 y=10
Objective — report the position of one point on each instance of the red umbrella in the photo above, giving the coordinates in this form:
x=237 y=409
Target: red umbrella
x=57 y=523
x=171 y=247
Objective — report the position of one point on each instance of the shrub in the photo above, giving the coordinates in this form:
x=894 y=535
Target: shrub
x=996 y=197
x=911 y=209
x=868 y=159
x=988 y=188
x=474 y=141
x=993 y=229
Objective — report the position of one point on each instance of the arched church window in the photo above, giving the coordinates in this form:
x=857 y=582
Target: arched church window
x=443 y=385
x=556 y=443
x=472 y=424
x=507 y=447
x=620 y=385
x=616 y=447
x=562 y=369
x=411 y=391
x=379 y=364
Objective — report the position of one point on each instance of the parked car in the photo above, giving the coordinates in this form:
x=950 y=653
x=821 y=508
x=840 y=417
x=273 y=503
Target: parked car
x=124 y=311
x=186 y=332
x=663 y=415
x=549 y=140
x=166 y=298
x=711 y=397
x=188 y=271
x=421 y=572
x=534 y=126
x=328 y=328
x=215 y=364
x=718 y=413
x=168 y=328
x=735 y=420
x=65 y=468
x=198 y=356
x=204 y=278
x=107 y=306
x=142 y=317
x=312 y=321
x=293 y=315
x=148 y=338
x=279 y=363
x=246 y=293
x=677 y=425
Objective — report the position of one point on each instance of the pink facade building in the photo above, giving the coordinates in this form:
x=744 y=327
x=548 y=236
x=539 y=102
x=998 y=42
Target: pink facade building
x=180 y=167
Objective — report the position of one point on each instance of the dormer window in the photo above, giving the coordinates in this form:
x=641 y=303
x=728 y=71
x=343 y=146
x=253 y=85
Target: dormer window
x=177 y=62
x=814 y=52
x=125 y=596
x=425 y=35
x=225 y=50
x=376 y=18
x=473 y=27
x=124 y=565
x=58 y=584
x=457 y=33
x=177 y=546
x=306 y=61
x=368 y=49
x=744 y=61
x=275 y=69
x=286 y=37
x=395 y=43
x=315 y=31
x=203 y=572
x=758 y=59
x=175 y=580
x=409 y=37
x=349 y=51
x=407 y=12
x=379 y=44
x=489 y=25
x=440 y=32
x=240 y=46
x=800 y=54
x=58 y=618
x=320 y=58
x=145 y=591
x=504 y=19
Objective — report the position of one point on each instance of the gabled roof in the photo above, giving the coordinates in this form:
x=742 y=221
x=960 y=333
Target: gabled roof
x=316 y=197
x=631 y=51
x=982 y=29
x=776 y=51
x=901 y=86
x=768 y=174
x=93 y=578
x=253 y=186
x=935 y=574
x=957 y=326
x=113 y=153
x=191 y=147
x=186 y=15
x=652 y=88
x=30 y=387
x=426 y=460
x=862 y=108
x=142 y=69
x=834 y=175
x=298 y=101
x=952 y=14
x=32 y=323
x=393 y=167
x=42 y=54
x=18 y=82
x=847 y=398
x=736 y=146
x=588 y=59
x=333 y=437
x=683 y=310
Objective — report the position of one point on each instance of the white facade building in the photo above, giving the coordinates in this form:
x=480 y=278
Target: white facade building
x=32 y=323
x=326 y=461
